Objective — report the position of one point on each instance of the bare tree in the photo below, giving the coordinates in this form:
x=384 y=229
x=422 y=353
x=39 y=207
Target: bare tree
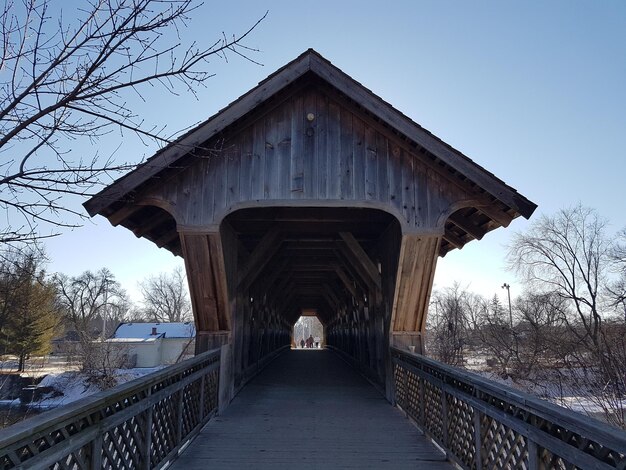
x=165 y=297
x=72 y=75
x=448 y=328
x=568 y=254
x=93 y=303
x=617 y=289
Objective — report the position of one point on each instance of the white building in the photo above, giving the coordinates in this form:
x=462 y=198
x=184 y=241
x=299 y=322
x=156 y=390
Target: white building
x=153 y=344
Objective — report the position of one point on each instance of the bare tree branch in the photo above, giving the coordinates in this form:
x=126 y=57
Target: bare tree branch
x=63 y=81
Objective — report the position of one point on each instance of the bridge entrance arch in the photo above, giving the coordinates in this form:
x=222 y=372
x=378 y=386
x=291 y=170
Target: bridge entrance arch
x=310 y=192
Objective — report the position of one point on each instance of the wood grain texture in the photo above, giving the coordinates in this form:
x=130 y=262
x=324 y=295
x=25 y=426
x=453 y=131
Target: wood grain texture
x=337 y=157
x=414 y=279
x=206 y=274
x=308 y=409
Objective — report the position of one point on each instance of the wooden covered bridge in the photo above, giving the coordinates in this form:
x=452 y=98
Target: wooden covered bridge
x=310 y=195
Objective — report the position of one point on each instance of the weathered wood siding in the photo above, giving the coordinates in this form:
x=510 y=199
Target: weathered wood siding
x=337 y=158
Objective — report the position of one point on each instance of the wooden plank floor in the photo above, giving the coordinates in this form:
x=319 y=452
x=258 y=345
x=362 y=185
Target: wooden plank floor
x=309 y=410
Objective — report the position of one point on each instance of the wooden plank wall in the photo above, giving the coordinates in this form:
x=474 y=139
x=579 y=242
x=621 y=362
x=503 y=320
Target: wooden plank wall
x=339 y=156
x=312 y=149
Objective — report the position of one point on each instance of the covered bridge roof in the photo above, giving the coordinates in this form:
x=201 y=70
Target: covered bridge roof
x=496 y=203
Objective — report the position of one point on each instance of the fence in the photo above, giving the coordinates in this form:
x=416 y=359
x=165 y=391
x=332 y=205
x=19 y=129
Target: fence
x=140 y=425
x=484 y=425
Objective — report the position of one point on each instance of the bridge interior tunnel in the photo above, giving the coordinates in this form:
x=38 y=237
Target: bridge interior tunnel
x=338 y=263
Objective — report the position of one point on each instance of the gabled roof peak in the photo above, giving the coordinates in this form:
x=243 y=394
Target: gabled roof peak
x=311 y=61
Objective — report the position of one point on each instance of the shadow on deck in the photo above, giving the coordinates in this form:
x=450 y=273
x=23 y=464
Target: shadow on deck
x=308 y=409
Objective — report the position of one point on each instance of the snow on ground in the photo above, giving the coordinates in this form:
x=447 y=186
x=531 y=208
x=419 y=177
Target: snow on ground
x=71 y=386
x=38 y=366
x=556 y=386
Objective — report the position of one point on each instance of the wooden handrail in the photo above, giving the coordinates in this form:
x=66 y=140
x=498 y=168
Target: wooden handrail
x=483 y=424
x=130 y=426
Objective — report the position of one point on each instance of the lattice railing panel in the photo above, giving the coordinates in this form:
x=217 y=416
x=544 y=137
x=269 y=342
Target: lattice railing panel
x=433 y=410
x=122 y=445
x=553 y=461
x=461 y=430
x=399 y=375
x=485 y=425
x=164 y=426
x=501 y=446
x=191 y=406
x=414 y=387
x=211 y=387
x=78 y=459
x=149 y=418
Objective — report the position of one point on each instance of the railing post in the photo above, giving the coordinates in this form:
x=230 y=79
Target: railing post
x=444 y=412
x=422 y=383
x=405 y=383
x=533 y=455
x=148 y=433
x=96 y=451
x=224 y=392
x=179 y=416
x=202 y=386
x=478 y=440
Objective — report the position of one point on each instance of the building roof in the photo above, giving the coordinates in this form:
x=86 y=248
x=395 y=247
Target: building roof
x=143 y=331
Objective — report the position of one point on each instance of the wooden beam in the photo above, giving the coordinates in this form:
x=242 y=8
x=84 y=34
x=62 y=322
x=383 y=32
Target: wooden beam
x=166 y=238
x=499 y=216
x=364 y=284
x=454 y=240
x=360 y=259
x=261 y=255
x=121 y=214
x=154 y=222
x=263 y=283
x=327 y=290
x=468 y=226
x=347 y=282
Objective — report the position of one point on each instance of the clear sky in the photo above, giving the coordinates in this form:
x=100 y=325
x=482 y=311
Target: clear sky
x=533 y=91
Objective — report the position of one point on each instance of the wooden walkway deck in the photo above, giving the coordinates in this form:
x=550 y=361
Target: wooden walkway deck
x=309 y=410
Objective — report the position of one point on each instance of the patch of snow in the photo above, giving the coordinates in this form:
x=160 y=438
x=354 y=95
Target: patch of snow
x=76 y=385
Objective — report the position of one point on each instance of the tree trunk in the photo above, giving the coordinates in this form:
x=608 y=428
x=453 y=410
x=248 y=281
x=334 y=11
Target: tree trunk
x=20 y=366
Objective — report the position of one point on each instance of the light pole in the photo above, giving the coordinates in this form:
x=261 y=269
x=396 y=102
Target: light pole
x=508 y=291
x=104 y=314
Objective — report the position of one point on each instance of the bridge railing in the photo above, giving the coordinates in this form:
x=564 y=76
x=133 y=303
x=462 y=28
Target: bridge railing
x=140 y=425
x=484 y=425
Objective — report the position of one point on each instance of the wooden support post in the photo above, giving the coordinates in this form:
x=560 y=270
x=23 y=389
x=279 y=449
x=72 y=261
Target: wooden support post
x=414 y=280
x=206 y=275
